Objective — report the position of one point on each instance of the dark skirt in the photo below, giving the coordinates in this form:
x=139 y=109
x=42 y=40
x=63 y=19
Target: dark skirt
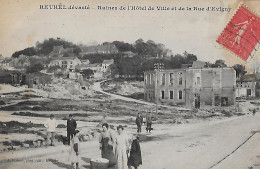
x=107 y=152
x=135 y=158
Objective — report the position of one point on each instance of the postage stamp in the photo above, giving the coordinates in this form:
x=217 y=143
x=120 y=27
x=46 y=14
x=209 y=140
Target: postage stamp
x=242 y=34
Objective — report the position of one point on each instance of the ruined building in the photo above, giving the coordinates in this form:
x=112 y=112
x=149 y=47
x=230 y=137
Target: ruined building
x=192 y=87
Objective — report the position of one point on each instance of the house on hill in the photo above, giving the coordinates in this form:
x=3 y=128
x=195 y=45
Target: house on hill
x=106 y=63
x=99 y=49
x=85 y=61
x=59 y=51
x=6 y=61
x=65 y=62
x=96 y=68
x=129 y=54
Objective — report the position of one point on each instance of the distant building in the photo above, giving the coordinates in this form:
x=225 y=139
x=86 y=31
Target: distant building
x=192 y=87
x=6 y=61
x=106 y=63
x=59 y=51
x=257 y=87
x=246 y=86
x=129 y=54
x=37 y=78
x=198 y=64
x=94 y=67
x=12 y=77
x=1 y=58
x=65 y=62
x=85 y=61
x=99 y=49
x=75 y=75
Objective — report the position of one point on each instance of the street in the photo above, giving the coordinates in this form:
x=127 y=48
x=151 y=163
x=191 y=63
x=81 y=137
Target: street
x=187 y=146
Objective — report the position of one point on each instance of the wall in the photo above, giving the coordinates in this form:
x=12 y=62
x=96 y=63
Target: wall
x=199 y=86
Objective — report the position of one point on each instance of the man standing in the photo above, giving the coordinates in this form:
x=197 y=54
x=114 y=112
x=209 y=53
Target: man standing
x=139 y=122
x=149 y=122
x=50 y=125
x=71 y=127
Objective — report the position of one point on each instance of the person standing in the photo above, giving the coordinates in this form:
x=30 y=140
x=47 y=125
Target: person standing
x=135 y=158
x=139 y=122
x=71 y=127
x=254 y=111
x=50 y=125
x=149 y=122
x=122 y=148
x=75 y=151
x=106 y=140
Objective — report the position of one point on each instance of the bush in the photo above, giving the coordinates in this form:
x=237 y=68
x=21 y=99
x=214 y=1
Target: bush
x=226 y=113
x=61 y=126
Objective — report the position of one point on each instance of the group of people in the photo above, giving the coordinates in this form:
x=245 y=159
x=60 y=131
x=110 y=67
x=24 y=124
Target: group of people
x=72 y=137
x=51 y=125
x=140 y=120
x=115 y=147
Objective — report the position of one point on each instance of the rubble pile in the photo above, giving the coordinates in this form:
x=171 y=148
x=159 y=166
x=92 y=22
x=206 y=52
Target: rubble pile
x=124 y=88
x=65 y=89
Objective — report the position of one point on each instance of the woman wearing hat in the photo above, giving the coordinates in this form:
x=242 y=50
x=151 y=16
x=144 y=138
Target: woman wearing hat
x=122 y=148
x=106 y=140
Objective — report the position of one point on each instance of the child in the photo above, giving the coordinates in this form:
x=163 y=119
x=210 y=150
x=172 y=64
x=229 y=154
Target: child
x=254 y=111
x=75 y=151
x=135 y=158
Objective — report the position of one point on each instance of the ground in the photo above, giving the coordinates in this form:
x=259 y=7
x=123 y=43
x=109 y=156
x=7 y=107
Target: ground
x=181 y=138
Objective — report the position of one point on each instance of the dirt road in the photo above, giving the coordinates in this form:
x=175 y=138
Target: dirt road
x=187 y=146
x=96 y=87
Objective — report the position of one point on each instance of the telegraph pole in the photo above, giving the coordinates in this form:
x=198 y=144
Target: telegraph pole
x=157 y=67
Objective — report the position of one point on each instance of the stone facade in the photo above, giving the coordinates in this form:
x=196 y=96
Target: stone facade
x=191 y=87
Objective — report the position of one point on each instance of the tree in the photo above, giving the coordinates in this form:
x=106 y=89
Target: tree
x=35 y=68
x=123 y=47
x=76 y=51
x=208 y=64
x=240 y=70
x=87 y=73
x=140 y=46
x=219 y=63
x=52 y=69
x=27 y=51
x=47 y=45
x=190 y=58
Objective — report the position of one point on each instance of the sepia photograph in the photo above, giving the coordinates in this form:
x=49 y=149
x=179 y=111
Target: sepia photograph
x=120 y=84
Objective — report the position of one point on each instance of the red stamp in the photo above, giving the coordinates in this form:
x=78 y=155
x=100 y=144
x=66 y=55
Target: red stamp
x=242 y=34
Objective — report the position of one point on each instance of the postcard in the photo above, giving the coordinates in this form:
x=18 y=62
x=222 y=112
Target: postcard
x=118 y=84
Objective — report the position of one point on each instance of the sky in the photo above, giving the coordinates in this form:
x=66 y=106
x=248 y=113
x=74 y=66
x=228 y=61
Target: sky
x=23 y=24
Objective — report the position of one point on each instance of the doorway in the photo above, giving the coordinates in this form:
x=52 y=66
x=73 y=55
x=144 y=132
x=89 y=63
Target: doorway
x=197 y=101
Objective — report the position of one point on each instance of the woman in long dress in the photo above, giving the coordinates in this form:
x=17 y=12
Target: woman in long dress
x=106 y=141
x=122 y=148
x=75 y=152
x=135 y=158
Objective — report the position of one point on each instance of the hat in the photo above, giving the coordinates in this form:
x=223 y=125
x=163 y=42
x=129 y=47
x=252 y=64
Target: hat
x=120 y=126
